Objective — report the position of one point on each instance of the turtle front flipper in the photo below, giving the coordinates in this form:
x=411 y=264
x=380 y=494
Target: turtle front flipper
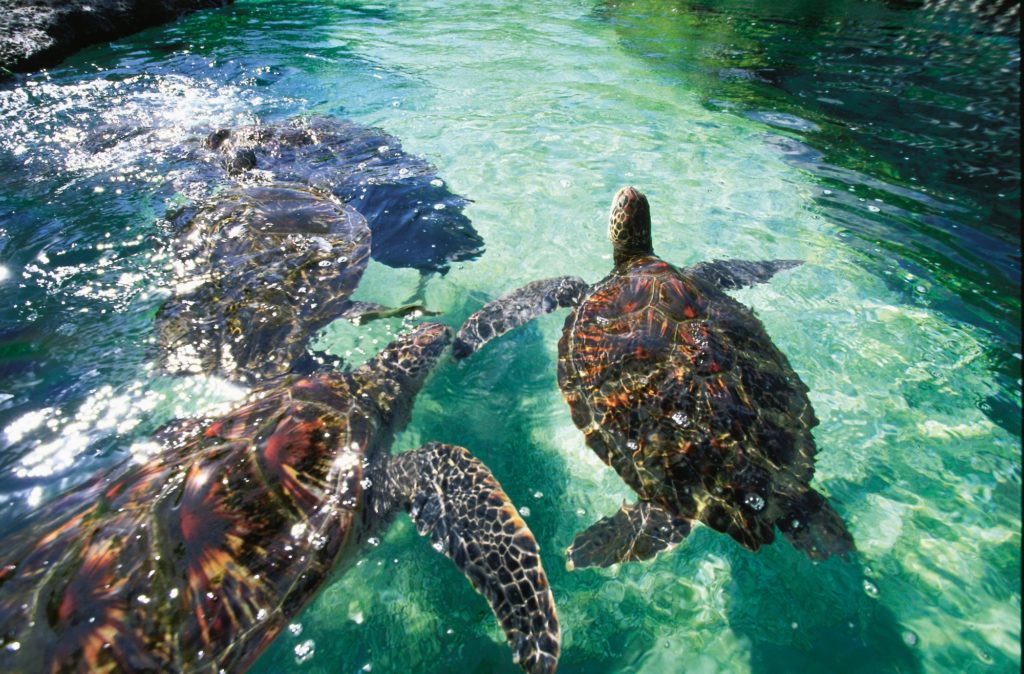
x=733 y=274
x=515 y=308
x=364 y=312
x=453 y=497
x=635 y=533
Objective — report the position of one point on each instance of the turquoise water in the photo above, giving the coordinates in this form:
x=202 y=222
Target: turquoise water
x=877 y=141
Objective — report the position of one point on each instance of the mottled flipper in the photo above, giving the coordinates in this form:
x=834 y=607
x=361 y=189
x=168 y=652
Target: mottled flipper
x=515 y=308
x=634 y=533
x=732 y=274
x=364 y=312
x=454 y=498
x=814 y=528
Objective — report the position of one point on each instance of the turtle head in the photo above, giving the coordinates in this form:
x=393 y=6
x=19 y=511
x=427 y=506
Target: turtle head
x=629 y=225
x=396 y=374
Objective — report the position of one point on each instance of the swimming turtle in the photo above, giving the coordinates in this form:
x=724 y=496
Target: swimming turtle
x=195 y=560
x=678 y=387
x=258 y=271
x=416 y=221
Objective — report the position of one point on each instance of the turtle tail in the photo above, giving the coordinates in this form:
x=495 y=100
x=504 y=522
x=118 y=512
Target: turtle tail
x=814 y=528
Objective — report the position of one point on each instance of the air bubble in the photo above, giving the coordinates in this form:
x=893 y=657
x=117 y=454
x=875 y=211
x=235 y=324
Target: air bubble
x=304 y=651
x=909 y=638
x=295 y=629
x=870 y=589
x=754 y=501
x=524 y=511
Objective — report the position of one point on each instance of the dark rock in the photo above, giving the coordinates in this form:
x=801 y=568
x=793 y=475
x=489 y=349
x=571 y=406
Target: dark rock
x=41 y=33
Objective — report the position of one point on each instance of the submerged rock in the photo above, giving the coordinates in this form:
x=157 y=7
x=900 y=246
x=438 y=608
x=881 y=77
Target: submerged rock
x=42 y=33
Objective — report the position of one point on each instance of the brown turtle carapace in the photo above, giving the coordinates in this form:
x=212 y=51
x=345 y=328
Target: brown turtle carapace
x=259 y=269
x=678 y=387
x=195 y=560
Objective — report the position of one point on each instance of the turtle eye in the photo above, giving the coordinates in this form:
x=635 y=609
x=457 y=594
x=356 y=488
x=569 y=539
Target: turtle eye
x=623 y=200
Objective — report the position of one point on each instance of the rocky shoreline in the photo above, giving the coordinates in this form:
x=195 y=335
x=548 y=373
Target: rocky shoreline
x=41 y=33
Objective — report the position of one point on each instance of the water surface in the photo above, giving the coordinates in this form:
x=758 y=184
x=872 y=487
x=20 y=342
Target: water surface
x=877 y=141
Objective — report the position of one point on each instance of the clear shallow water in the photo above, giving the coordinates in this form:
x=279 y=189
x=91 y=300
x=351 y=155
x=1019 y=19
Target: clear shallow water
x=904 y=322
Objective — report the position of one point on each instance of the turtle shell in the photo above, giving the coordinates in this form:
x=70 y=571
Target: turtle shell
x=260 y=269
x=679 y=388
x=416 y=221
x=196 y=559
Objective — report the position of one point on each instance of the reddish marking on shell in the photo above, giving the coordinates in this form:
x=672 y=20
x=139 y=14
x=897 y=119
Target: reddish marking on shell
x=214 y=430
x=114 y=490
x=191 y=522
x=67 y=607
x=148 y=477
x=56 y=533
x=96 y=642
x=274 y=451
x=657 y=266
x=95 y=592
x=205 y=527
x=631 y=305
x=291 y=441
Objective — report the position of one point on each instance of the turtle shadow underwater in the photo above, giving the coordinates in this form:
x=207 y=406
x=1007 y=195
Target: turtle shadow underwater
x=823 y=619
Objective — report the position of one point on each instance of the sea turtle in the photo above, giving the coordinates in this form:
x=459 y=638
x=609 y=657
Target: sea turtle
x=416 y=221
x=196 y=559
x=258 y=271
x=678 y=387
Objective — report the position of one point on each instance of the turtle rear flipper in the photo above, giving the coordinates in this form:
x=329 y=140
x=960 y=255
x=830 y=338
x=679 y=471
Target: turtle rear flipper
x=814 y=528
x=733 y=274
x=453 y=497
x=636 y=532
x=516 y=308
